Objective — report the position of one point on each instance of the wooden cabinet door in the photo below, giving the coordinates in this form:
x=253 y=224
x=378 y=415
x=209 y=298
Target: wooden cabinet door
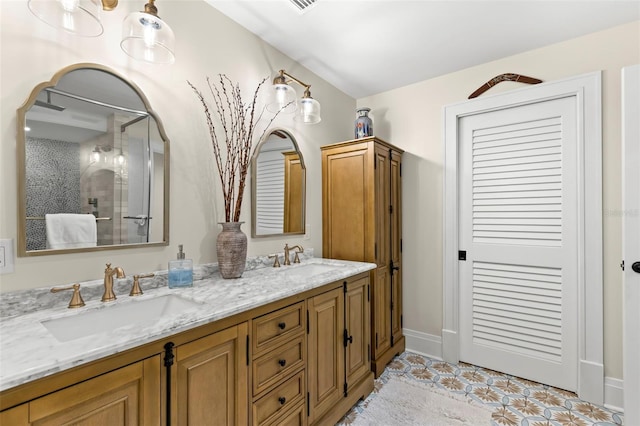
x=358 y=326
x=116 y=398
x=348 y=223
x=325 y=366
x=395 y=198
x=294 y=180
x=382 y=285
x=380 y=311
x=210 y=385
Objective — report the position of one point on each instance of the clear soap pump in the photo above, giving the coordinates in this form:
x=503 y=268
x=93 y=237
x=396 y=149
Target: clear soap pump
x=180 y=271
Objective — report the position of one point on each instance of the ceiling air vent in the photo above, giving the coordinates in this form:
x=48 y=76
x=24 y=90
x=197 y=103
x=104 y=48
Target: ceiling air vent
x=303 y=5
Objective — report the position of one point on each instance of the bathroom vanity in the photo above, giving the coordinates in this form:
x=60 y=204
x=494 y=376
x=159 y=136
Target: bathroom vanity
x=286 y=345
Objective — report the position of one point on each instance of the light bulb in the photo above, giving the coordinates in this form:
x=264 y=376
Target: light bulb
x=70 y=5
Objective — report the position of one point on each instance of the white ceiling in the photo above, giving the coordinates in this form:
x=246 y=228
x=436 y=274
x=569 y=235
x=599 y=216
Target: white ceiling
x=364 y=47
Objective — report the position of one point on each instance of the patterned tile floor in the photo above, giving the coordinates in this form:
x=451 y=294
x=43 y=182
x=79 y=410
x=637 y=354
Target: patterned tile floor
x=515 y=401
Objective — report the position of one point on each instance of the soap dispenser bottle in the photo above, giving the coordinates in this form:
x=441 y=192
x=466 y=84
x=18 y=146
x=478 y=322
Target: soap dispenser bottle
x=180 y=271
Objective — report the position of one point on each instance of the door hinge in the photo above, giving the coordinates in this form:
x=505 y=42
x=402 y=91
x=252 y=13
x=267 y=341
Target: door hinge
x=308 y=403
x=375 y=162
x=401 y=321
x=344 y=286
x=392 y=340
x=307 y=321
x=400 y=245
x=247 y=349
x=369 y=352
x=462 y=255
x=168 y=354
x=622 y=265
x=368 y=294
x=376 y=340
x=400 y=169
x=168 y=362
x=391 y=209
x=345 y=390
x=391 y=306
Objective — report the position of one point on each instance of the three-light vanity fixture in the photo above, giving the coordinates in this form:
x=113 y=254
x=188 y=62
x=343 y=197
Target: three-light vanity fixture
x=144 y=35
x=283 y=97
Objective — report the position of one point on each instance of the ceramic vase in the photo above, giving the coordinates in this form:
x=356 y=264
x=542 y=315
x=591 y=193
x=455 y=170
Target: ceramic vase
x=231 y=248
x=364 y=124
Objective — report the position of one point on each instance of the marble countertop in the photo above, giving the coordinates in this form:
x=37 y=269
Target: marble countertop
x=28 y=350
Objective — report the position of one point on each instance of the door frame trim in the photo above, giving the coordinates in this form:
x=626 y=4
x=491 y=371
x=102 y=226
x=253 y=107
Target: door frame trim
x=630 y=246
x=587 y=89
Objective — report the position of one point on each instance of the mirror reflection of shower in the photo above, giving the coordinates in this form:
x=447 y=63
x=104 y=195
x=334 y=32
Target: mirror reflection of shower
x=144 y=161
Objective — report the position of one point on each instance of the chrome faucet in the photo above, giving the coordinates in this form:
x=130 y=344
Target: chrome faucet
x=109 y=272
x=287 y=249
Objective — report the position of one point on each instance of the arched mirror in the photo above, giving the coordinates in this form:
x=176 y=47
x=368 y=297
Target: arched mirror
x=93 y=163
x=278 y=186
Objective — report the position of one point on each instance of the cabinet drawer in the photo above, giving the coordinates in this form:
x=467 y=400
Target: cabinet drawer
x=277 y=402
x=277 y=327
x=297 y=417
x=277 y=364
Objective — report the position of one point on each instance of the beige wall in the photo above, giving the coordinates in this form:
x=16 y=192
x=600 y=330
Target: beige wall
x=208 y=43
x=411 y=117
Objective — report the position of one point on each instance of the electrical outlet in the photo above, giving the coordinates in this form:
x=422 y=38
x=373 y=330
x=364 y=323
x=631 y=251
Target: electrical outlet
x=6 y=256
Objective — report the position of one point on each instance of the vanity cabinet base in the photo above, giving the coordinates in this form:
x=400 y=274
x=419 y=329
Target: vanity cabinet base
x=378 y=365
x=360 y=390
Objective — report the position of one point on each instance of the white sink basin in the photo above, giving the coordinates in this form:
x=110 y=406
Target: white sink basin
x=311 y=269
x=109 y=318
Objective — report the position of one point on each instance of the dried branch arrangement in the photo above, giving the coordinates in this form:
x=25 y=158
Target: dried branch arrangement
x=232 y=131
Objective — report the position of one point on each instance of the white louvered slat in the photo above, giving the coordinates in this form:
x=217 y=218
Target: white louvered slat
x=518 y=306
x=517 y=174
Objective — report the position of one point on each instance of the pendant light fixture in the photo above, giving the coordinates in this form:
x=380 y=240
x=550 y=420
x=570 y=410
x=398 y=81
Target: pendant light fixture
x=79 y=17
x=283 y=97
x=144 y=35
x=147 y=37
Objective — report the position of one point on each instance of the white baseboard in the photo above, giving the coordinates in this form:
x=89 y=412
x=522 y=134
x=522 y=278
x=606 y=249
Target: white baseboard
x=431 y=345
x=423 y=343
x=613 y=393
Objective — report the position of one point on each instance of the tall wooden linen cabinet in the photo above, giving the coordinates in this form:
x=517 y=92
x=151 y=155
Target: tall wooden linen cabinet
x=362 y=221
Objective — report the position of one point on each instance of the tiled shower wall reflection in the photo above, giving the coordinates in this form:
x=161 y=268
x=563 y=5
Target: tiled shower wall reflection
x=52 y=184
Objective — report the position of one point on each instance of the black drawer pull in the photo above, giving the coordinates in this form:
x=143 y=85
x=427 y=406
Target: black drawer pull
x=282 y=400
x=282 y=362
x=282 y=325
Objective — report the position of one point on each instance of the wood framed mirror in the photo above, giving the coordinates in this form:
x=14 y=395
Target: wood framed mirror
x=89 y=143
x=278 y=187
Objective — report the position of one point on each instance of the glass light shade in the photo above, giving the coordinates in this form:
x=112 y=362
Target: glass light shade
x=95 y=155
x=309 y=111
x=120 y=159
x=282 y=96
x=147 y=38
x=79 y=17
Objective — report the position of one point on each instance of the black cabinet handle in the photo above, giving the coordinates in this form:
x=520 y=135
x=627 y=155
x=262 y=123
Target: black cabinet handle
x=636 y=267
x=282 y=325
x=282 y=362
x=282 y=400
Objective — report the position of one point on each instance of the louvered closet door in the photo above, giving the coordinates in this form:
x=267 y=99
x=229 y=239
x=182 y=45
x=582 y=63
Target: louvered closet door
x=518 y=222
